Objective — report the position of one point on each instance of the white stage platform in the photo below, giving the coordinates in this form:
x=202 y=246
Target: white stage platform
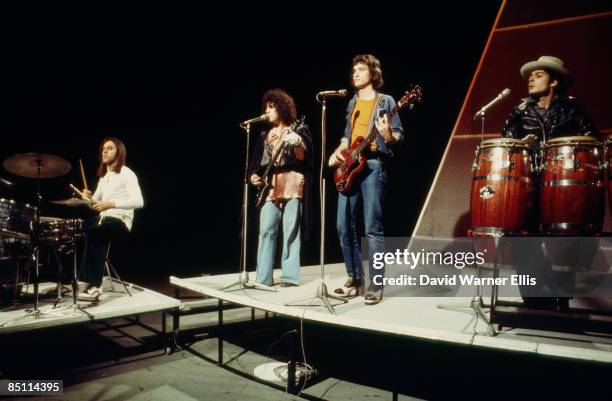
x=418 y=317
x=117 y=304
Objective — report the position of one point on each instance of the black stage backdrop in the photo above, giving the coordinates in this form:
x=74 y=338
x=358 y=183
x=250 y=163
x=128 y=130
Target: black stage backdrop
x=174 y=85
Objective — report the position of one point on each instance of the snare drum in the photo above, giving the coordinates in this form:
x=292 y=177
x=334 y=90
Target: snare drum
x=572 y=196
x=502 y=193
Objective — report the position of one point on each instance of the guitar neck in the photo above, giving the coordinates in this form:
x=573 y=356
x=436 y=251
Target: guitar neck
x=275 y=153
x=278 y=150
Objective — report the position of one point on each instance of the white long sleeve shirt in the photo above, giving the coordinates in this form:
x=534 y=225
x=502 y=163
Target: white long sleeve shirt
x=123 y=189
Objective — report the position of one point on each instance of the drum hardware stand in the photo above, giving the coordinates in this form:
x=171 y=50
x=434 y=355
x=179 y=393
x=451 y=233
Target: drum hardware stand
x=75 y=274
x=322 y=293
x=74 y=306
x=243 y=277
x=36 y=241
x=60 y=271
x=110 y=270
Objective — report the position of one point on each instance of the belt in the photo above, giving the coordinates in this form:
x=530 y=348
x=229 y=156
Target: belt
x=102 y=218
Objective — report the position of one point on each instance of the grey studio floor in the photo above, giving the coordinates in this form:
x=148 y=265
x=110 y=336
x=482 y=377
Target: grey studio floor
x=127 y=364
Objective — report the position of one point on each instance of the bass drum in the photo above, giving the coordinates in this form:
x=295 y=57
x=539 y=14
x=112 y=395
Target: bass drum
x=13 y=276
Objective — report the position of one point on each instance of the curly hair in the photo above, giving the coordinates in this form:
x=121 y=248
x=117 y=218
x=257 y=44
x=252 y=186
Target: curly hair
x=283 y=102
x=373 y=65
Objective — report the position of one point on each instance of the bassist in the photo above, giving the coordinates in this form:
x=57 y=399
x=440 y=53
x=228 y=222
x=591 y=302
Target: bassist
x=366 y=111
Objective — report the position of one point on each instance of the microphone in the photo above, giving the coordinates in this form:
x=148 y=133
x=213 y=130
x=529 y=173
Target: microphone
x=493 y=102
x=339 y=93
x=262 y=117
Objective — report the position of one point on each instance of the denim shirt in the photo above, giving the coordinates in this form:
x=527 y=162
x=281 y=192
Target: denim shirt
x=384 y=103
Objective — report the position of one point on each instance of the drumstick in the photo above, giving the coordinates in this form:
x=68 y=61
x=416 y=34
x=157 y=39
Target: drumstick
x=75 y=189
x=83 y=174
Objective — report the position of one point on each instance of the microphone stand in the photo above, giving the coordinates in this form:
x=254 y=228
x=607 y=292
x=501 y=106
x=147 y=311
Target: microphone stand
x=482 y=126
x=477 y=304
x=243 y=277
x=322 y=293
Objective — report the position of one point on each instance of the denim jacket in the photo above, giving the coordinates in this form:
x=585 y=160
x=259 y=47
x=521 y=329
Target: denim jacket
x=384 y=104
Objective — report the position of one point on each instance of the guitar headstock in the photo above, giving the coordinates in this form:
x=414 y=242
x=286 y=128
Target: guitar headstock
x=412 y=96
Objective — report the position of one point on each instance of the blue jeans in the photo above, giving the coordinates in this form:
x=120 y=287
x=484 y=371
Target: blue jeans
x=369 y=188
x=269 y=220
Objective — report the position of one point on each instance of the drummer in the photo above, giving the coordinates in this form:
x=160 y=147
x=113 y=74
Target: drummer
x=548 y=112
x=116 y=197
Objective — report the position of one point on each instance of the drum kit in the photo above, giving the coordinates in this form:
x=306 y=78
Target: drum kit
x=23 y=231
x=565 y=176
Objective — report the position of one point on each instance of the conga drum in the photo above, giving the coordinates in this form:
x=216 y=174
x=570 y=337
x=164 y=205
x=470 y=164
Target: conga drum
x=502 y=194
x=572 y=195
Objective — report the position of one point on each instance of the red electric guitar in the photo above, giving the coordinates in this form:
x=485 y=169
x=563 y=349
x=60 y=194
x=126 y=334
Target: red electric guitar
x=354 y=160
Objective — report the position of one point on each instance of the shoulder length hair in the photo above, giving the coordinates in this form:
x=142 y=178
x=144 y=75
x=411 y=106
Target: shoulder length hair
x=373 y=65
x=121 y=155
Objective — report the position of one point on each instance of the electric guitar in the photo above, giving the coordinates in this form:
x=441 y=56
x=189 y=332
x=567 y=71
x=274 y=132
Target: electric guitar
x=354 y=160
x=262 y=192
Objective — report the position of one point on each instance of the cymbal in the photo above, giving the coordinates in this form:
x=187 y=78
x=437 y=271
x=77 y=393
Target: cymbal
x=13 y=234
x=6 y=182
x=37 y=165
x=72 y=202
x=49 y=219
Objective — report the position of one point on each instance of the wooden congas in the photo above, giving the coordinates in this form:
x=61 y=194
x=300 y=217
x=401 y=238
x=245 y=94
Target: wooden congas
x=502 y=193
x=572 y=194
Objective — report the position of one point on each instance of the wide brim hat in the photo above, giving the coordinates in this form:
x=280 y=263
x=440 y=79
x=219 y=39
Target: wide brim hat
x=546 y=63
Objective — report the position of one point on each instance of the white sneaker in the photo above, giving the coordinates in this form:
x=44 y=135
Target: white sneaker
x=92 y=294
